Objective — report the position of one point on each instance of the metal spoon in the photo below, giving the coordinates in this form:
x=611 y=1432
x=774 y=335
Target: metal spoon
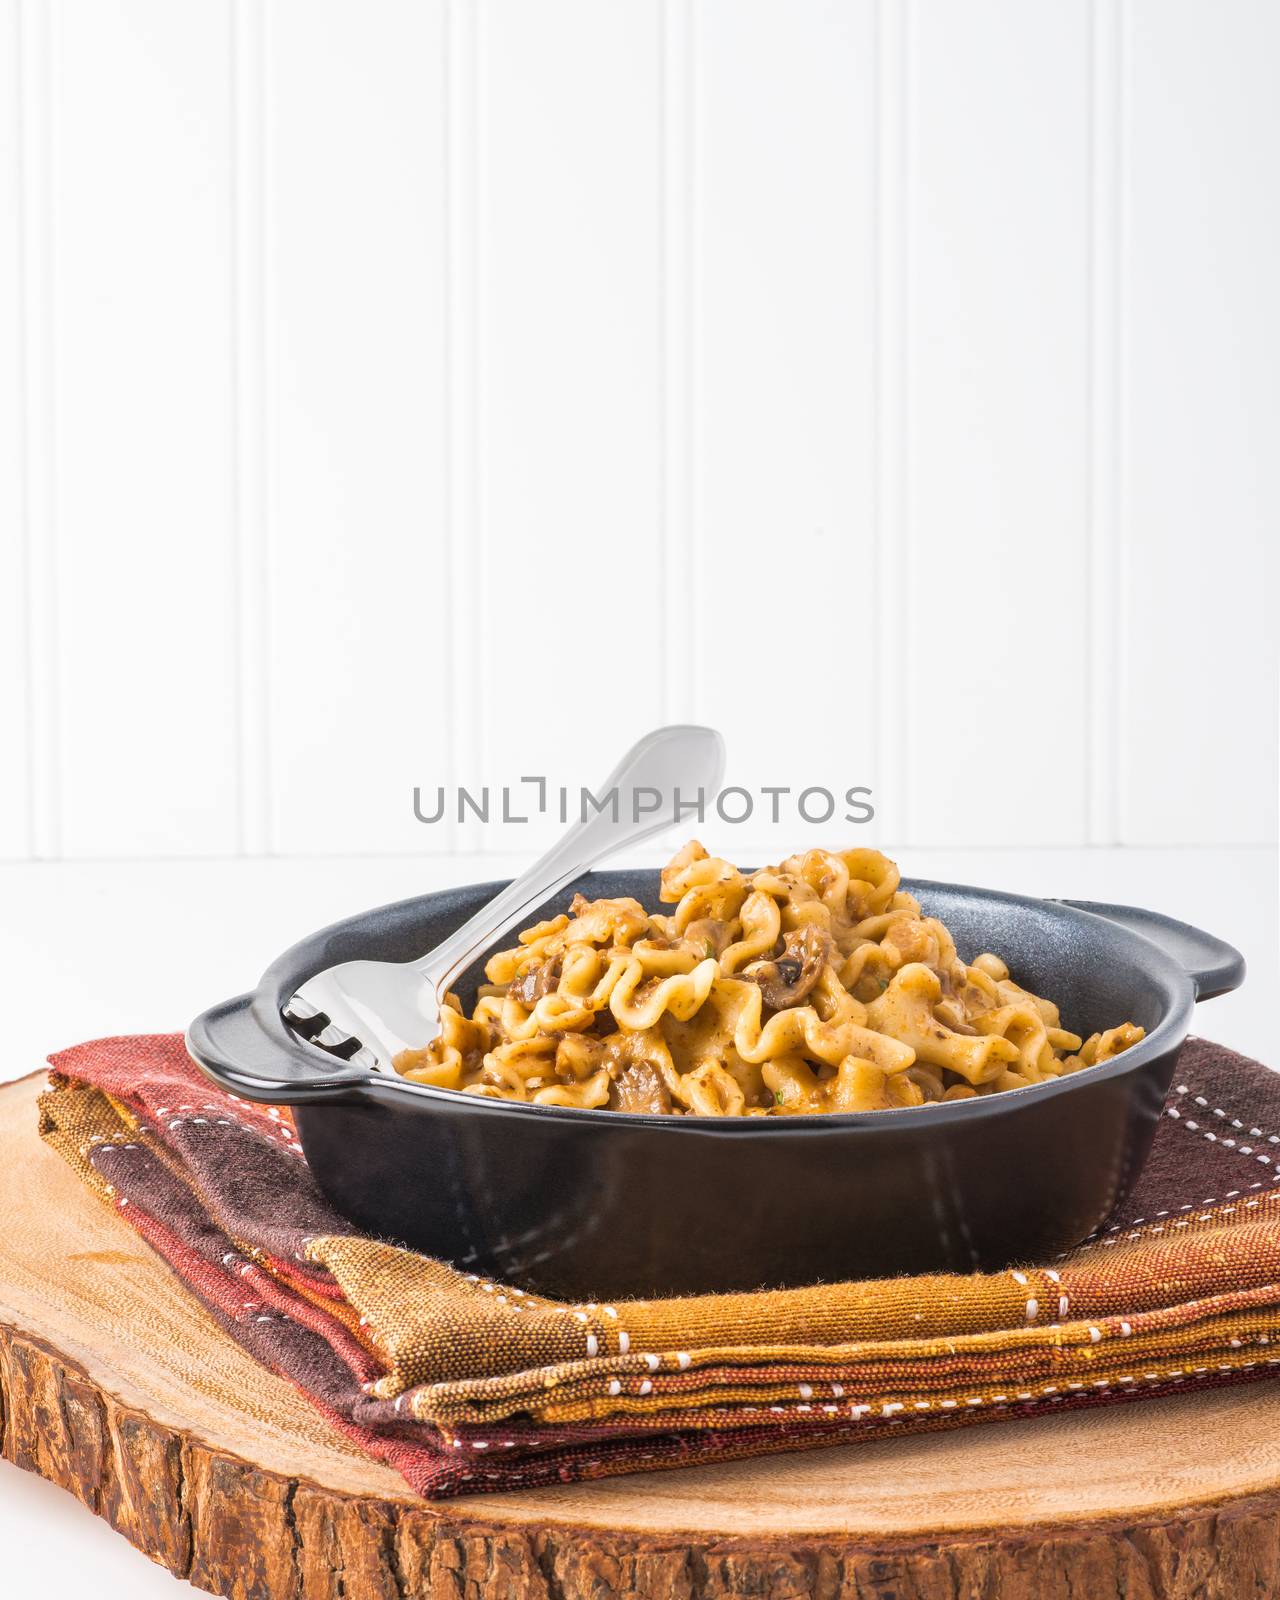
x=369 y=1011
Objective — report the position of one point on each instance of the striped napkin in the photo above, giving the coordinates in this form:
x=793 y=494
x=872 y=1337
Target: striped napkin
x=466 y=1385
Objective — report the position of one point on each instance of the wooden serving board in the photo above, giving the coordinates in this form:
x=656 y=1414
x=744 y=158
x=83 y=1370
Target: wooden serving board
x=114 y=1385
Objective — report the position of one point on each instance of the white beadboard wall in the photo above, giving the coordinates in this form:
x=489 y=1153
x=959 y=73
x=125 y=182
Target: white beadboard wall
x=402 y=391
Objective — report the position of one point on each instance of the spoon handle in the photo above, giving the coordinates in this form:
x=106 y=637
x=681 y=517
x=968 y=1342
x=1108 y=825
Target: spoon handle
x=679 y=759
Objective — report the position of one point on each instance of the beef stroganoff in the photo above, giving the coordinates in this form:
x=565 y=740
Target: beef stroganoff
x=815 y=986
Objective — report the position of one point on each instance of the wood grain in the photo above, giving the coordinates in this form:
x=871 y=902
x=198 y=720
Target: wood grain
x=113 y=1385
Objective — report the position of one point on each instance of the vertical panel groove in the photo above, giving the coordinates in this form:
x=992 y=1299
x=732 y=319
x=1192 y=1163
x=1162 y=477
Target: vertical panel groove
x=462 y=338
x=249 y=424
x=357 y=381
x=39 y=500
x=1122 y=578
x=676 y=224
x=16 y=815
x=893 y=23
x=693 y=289
x=1105 y=422
x=1199 y=478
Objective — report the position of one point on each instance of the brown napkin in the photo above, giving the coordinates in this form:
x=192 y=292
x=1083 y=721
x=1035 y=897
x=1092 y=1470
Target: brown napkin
x=466 y=1385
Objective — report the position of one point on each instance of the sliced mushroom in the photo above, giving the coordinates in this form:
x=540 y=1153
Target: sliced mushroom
x=951 y=1015
x=637 y=1087
x=536 y=981
x=787 y=978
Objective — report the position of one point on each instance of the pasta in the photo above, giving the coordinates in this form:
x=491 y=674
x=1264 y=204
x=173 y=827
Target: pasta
x=815 y=986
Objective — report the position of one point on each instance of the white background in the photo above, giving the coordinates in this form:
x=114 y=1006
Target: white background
x=413 y=391
x=407 y=390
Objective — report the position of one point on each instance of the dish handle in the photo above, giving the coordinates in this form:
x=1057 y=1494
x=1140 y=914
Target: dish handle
x=257 y=1057
x=1214 y=966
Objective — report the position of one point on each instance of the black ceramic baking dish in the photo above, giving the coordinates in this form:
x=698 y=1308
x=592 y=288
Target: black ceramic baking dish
x=603 y=1205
